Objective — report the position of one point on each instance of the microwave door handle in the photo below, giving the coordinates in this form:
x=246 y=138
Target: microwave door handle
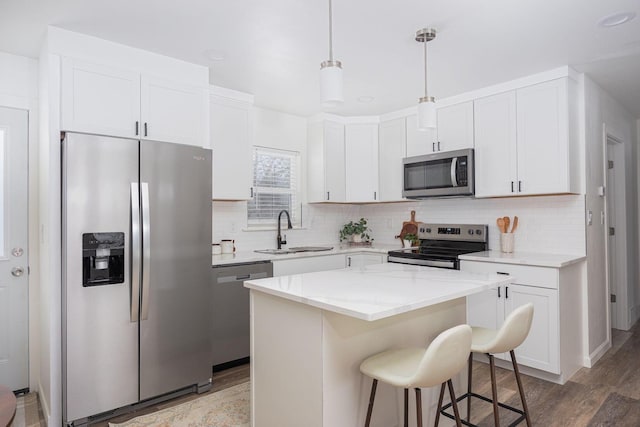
x=454 y=167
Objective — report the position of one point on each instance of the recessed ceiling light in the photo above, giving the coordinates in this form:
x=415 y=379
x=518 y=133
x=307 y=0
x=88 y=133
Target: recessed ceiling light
x=365 y=99
x=213 y=55
x=616 y=19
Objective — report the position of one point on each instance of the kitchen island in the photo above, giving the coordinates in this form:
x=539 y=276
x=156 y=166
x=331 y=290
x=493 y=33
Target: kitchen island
x=310 y=332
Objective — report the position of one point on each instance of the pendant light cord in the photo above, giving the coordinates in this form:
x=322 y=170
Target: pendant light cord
x=425 y=68
x=330 y=32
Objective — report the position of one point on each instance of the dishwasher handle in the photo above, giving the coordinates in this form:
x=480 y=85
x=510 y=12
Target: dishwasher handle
x=242 y=278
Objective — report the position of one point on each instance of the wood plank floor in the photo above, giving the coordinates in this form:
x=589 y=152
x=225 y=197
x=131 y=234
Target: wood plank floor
x=606 y=395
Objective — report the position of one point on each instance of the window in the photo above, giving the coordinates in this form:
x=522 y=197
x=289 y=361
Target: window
x=275 y=187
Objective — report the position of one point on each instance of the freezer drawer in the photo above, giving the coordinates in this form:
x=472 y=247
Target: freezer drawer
x=230 y=310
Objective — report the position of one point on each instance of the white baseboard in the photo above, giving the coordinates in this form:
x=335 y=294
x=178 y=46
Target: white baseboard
x=597 y=354
x=45 y=406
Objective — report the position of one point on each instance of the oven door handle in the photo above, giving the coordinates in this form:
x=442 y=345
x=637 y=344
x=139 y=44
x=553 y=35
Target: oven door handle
x=422 y=262
x=454 y=175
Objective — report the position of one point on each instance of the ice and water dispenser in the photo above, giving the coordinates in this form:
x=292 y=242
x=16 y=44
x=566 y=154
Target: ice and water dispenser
x=102 y=259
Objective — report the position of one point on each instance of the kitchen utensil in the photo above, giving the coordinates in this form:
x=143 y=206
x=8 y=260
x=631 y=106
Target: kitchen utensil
x=507 y=222
x=515 y=224
x=500 y=222
x=412 y=221
x=408 y=227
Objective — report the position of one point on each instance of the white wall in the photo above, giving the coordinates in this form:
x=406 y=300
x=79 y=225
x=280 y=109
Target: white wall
x=19 y=89
x=550 y=224
x=600 y=111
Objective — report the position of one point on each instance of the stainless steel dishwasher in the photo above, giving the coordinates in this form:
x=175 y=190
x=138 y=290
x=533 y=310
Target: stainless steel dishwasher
x=230 y=311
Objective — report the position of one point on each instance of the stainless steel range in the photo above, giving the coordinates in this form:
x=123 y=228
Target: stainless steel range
x=440 y=245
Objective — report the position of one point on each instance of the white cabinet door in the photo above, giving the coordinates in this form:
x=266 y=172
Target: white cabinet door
x=542 y=126
x=455 y=127
x=334 y=162
x=99 y=99
x=361 y=162
x=360 y=260
x=541 y=349
x=495 y=145
x=391 y=149
x=287 y=267
x=231 y=133
x=419 y=142
x=174 y=112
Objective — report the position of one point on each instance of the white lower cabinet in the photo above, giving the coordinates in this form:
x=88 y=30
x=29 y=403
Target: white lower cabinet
x=360 y=260
x=290 y=266
x=541 y=349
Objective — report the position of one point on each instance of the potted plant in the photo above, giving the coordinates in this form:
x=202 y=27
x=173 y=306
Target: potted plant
x=356 y=231
x=410 y=240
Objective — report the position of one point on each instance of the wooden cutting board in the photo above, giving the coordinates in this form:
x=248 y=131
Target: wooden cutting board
x=409 y=227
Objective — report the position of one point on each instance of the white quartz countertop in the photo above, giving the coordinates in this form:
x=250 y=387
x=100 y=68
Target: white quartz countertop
x=524 y=258
x=250 y=256
x=377 y=291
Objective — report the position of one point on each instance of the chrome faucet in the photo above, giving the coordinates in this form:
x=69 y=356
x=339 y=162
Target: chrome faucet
x=279 y=239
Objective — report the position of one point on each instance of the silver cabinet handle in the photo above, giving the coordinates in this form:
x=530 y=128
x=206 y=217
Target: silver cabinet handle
x=519 y=186
x=499 y=291
x=438 y=145
x=137 y=128
x=135 y=251
x=328 y=196
x=146 y=249
x=348 y=261
x=17 y=271
x=433 y=147
x=375 y=195
x=252 y=192
x=145 y=129
x=512 y=186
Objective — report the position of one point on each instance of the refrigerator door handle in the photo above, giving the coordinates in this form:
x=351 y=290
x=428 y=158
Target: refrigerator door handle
x=135 y=252
x=146 y=249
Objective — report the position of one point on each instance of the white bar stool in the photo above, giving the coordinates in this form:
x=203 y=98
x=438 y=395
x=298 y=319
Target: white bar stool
x=489 y=341
x=417 y=367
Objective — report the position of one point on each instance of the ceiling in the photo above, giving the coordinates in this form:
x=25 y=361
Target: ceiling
x=273 y=48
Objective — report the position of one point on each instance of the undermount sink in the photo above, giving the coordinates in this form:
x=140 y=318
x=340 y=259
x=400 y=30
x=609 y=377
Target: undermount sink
x=274 y=251
x=294 y=250
x=311 y=248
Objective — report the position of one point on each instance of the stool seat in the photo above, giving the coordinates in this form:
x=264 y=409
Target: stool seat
x=482 y=339
x=395 y=367
x=420 y=368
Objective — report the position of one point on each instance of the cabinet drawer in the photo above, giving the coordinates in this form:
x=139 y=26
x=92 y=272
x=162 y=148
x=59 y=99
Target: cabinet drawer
x=544 y=277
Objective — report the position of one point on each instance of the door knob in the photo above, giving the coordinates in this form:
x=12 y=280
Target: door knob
x=17 y=271
x=17 y=252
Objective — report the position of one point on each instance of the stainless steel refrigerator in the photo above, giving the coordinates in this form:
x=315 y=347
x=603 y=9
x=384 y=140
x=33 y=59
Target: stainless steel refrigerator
x=136 y=272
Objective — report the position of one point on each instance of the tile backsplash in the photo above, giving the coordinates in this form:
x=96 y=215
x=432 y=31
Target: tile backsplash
x=549 y=224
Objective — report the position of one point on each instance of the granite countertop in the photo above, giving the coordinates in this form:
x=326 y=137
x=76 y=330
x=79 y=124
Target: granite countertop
x=524 y=258
x=377 y=291
x=250 y=256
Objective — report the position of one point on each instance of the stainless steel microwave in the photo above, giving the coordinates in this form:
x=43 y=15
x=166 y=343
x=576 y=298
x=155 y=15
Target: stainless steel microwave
x=446 y=174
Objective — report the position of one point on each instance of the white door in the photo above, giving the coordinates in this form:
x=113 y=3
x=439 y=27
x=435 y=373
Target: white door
x=361 y=162
x=391 y=149
x=455 y=127
x=14 y=332
x=334 y=164
x=173 y=112
x=495 y=145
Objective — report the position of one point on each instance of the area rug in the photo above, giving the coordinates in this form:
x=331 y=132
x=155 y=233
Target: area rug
x=225 y=408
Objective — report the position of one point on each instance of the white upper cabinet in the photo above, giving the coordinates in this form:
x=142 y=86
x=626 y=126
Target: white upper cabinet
x=361 y=162
x=543 y=138
x=231 y=142
x=173 y=112
x=523 y=142
x=326 y=162
x=104 y=100
x=99 y=99
x=455 y=127
x=391 y=149
x=419 y=142
x=495 y=145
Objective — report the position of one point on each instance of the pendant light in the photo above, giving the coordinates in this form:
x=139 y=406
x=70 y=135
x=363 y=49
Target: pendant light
x=331 y=74
x=427 y=104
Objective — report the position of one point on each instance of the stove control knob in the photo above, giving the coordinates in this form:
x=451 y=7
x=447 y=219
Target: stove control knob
x=478 y=232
